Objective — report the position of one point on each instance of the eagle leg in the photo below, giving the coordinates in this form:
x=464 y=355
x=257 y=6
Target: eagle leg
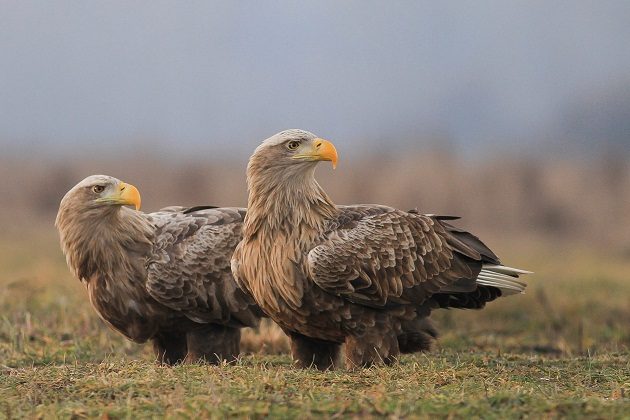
x=374 y=347
x=417 y=335
x=310 y=352
x=169 y=348
x=213 y=344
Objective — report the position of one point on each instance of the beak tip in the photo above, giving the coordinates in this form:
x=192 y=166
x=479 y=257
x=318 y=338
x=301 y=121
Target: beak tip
x=327 y=151
x=130 y=195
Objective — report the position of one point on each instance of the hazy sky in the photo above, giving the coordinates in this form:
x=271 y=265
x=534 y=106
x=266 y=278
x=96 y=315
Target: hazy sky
x=100 y=77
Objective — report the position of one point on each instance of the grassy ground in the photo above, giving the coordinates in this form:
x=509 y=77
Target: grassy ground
x=445 y=383
x=559 y=350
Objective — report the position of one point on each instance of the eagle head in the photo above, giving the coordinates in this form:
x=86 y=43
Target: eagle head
x=99 y=191
x=292 y=150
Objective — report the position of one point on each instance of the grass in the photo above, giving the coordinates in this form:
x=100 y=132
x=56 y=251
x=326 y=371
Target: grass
x=561 y=350
x=445 y=383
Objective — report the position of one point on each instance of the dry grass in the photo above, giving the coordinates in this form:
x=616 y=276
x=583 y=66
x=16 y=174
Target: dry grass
x=559 y=350
x=445 y=384
x=576 y=199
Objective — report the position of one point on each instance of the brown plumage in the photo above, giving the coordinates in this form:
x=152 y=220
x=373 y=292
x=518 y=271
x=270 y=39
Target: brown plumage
x=163 y=276
x=364 y=275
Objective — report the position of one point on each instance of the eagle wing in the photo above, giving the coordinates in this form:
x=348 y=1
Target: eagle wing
x=379 y=256
x=189 y=268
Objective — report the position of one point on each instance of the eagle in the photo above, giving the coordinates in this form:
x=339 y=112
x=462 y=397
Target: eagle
x=367 y=276
x=162 y=277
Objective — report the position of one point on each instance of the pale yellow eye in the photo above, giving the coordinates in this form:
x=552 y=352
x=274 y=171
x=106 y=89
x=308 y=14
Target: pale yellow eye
x=98 y=189
x=293 y=144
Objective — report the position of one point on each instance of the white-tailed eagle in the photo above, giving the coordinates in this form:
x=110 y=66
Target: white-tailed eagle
x=163 y=276
x=364 y=275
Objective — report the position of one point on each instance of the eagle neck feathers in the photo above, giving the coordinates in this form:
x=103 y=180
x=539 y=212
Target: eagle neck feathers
x=289 y=204
x=286 y=214
x=109 y=243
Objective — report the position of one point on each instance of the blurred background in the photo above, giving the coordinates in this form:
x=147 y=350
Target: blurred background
x=513 y=115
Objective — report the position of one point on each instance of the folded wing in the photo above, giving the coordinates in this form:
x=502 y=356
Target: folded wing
x=379 y=256
x=189 y=269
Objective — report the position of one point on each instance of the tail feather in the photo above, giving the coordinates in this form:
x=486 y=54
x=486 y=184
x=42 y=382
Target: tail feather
x=506 y=270
x=502 y=277
x=513 y=281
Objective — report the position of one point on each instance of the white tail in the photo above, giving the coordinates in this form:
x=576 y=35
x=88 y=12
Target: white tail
x=502 y=277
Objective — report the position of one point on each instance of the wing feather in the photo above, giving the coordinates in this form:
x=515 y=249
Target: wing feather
x=380 y=256
x=189 y=269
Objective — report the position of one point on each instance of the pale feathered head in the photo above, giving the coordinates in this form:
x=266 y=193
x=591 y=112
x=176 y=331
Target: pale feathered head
x=281 y=183
x=101 y=191
x=95 y=231
x=291 y=152
x=94 y=197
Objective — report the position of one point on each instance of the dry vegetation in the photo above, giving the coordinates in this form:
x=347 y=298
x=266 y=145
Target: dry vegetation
x=569 y=198
x=562 y=349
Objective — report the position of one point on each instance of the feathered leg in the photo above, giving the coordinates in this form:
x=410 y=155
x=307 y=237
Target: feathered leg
x=169 y=348
x=310 y=352
x=375 y=347
x=417 y=335
x=213 y=344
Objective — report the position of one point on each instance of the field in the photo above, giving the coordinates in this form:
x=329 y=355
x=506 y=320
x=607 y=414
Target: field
x=561 y=350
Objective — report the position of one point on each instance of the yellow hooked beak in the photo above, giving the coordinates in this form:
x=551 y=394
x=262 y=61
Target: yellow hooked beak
x=128 y=195
x=320 y=150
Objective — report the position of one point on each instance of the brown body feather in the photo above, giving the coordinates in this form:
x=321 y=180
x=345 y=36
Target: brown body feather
x=163 y=277
x=365 y=275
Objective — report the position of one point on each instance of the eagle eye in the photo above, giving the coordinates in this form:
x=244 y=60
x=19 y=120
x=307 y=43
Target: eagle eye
x=98 y=189
x=293 y=144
